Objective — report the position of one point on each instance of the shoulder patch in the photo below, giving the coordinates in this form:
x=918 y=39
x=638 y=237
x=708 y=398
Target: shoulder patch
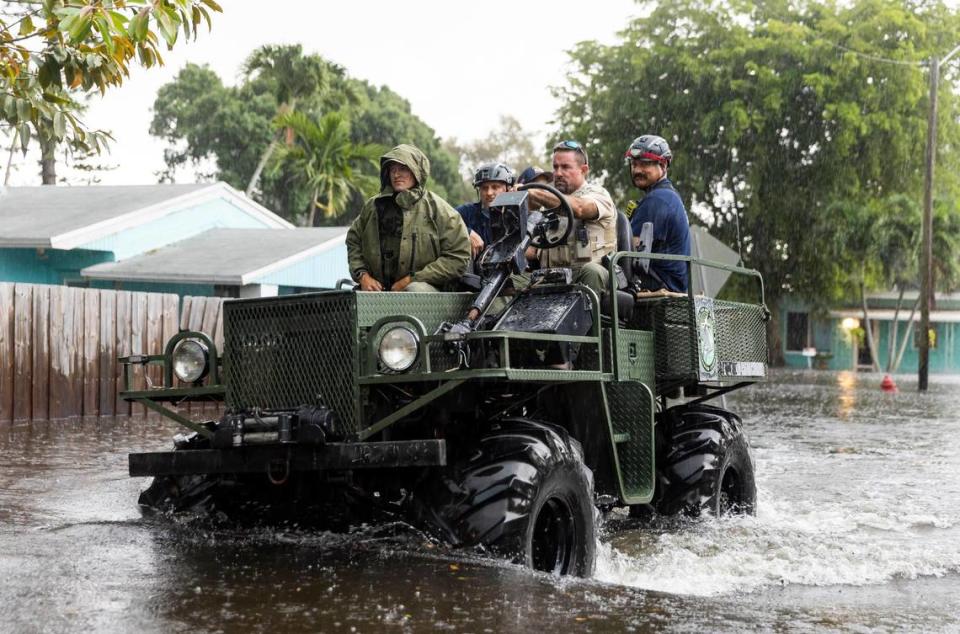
x=631 y=207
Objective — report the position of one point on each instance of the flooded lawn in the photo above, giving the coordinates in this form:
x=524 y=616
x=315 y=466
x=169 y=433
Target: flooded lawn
x=858 y=529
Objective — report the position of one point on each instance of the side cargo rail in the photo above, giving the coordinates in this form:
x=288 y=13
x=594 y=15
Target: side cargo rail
x=698 y=338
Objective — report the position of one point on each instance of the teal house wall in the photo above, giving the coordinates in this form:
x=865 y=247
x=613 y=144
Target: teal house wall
x=47 y=266
x=180 y=225
x=323 y=270
x=838 y=348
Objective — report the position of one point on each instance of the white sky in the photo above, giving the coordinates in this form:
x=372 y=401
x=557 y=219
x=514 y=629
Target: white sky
x=460 y=64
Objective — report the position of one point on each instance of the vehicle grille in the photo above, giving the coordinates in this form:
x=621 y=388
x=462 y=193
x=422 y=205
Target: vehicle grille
x=283 y=352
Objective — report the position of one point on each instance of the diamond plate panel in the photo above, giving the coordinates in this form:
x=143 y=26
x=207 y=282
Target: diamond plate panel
x=283 y=352
x=431 y=308
x=636 y=356
x=631 y=422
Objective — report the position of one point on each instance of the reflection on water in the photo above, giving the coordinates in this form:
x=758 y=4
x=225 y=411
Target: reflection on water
x=846 y=381
x=856 y=529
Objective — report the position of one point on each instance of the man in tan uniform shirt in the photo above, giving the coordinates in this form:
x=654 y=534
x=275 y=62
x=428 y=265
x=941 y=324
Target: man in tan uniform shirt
x=592 y=208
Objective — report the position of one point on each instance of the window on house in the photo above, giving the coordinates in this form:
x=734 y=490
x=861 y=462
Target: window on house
x=798 y=331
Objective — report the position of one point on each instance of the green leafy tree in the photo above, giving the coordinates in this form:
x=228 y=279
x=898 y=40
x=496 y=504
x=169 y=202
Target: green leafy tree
x=509 y=143
x=324 y=160
x=206 y=123
x=777 y=112
x=290 y=76
x=53 y=50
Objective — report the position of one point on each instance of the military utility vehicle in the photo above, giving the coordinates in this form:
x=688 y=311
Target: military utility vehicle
x=500 y=419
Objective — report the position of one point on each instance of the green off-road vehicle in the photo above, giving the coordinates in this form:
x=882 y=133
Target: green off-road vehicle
x=494 y=420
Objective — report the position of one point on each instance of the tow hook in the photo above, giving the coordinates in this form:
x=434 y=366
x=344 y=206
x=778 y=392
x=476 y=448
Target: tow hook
x=285 y=465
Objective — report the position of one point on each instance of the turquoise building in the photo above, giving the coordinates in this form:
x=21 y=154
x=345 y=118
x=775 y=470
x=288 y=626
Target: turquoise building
x=836 y=339
x=198 y=239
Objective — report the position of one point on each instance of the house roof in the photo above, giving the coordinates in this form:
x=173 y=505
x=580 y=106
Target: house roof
x=232 y=257
x=68 y=217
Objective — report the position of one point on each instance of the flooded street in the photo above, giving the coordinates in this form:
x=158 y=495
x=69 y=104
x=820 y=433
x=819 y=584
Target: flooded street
x=858 y=529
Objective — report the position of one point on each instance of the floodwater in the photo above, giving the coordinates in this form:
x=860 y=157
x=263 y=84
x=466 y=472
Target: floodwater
x=858 y=529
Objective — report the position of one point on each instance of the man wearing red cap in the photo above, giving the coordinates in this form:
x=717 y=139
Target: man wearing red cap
x=648 y=158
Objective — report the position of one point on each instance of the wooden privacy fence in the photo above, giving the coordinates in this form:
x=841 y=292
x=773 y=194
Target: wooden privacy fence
x=59 y=346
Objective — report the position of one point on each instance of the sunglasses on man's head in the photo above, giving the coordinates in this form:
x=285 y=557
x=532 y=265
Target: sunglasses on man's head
x=571 y=145
x=568 y=145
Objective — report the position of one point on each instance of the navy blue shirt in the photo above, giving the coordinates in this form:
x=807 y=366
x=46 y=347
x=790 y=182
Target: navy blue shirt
x=477 y=219
x=671 y=231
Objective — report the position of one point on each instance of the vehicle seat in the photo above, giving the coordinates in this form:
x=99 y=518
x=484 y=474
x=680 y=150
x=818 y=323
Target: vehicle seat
x=624 y=233
x=624 y=299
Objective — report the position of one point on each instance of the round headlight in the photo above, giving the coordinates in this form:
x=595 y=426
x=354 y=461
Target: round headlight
x=398 y=349
x=190 y=360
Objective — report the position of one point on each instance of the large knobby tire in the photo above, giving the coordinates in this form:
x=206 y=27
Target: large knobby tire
x=706 y=464
x=523 y=494
x=175 y=494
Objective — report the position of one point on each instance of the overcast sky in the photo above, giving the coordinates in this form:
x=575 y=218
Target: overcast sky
x=459 y=64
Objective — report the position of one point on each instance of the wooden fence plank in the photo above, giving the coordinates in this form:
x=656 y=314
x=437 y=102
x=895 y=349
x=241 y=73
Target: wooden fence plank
x=23 y=359
x=138 y=344
x=76 y=301
x=218 y=331
x=196 y=313
x=211 y=313
x=91 y=352
x=154 y=336
x=61 y=359
x=41 y=352
x=6 y=351
x=124 y=301
x=107 y=352
x=185 y=313
x=74 y=339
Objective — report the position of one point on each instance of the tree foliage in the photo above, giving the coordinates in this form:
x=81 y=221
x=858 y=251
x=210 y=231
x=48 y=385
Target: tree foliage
x=797 y=127
x=324 y=160
x=50 y=50
x=510 y=144
x=226 y=129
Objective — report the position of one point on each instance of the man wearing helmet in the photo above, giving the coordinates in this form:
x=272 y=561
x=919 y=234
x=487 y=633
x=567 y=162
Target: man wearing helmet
x=595 y=228
x=648 y=159
x=490 y=180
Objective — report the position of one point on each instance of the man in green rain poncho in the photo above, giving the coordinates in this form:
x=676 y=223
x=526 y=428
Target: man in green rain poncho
x=407 y=238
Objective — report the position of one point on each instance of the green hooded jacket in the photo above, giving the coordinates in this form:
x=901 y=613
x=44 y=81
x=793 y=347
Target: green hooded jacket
x=442 y=247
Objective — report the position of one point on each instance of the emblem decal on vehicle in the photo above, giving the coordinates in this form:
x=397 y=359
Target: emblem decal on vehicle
x=706 y=336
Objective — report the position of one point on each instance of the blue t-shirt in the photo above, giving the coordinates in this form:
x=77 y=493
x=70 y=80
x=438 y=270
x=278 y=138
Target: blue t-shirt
x=671 y=232
x=477 y=219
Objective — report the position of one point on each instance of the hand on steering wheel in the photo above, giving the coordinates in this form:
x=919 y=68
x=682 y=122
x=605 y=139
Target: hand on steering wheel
x=554 y=225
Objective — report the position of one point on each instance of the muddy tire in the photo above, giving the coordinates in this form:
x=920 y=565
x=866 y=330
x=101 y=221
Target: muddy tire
x=524 y=494
x=706 y=464
x=174 y=494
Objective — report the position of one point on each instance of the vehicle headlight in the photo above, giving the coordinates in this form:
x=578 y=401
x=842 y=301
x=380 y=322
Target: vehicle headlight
x=191 y=360
x=398 y=349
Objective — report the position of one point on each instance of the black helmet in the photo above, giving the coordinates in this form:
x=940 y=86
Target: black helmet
x=493 y=172
x=649 y=147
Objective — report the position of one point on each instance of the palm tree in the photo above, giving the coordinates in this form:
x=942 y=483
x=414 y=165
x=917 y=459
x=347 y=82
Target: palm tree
x=291 y=76
x=326 y=161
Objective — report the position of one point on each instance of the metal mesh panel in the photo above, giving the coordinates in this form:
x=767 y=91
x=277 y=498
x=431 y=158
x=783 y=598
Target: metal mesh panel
x=741 y=332
x=674 y=325
x=740 y=335
x=284 y=352
x=631 y=418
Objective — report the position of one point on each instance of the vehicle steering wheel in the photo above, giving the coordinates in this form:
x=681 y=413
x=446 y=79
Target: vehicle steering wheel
x=551 y=227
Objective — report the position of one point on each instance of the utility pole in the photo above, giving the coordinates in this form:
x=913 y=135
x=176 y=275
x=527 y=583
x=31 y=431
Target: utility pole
x=926 y=251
